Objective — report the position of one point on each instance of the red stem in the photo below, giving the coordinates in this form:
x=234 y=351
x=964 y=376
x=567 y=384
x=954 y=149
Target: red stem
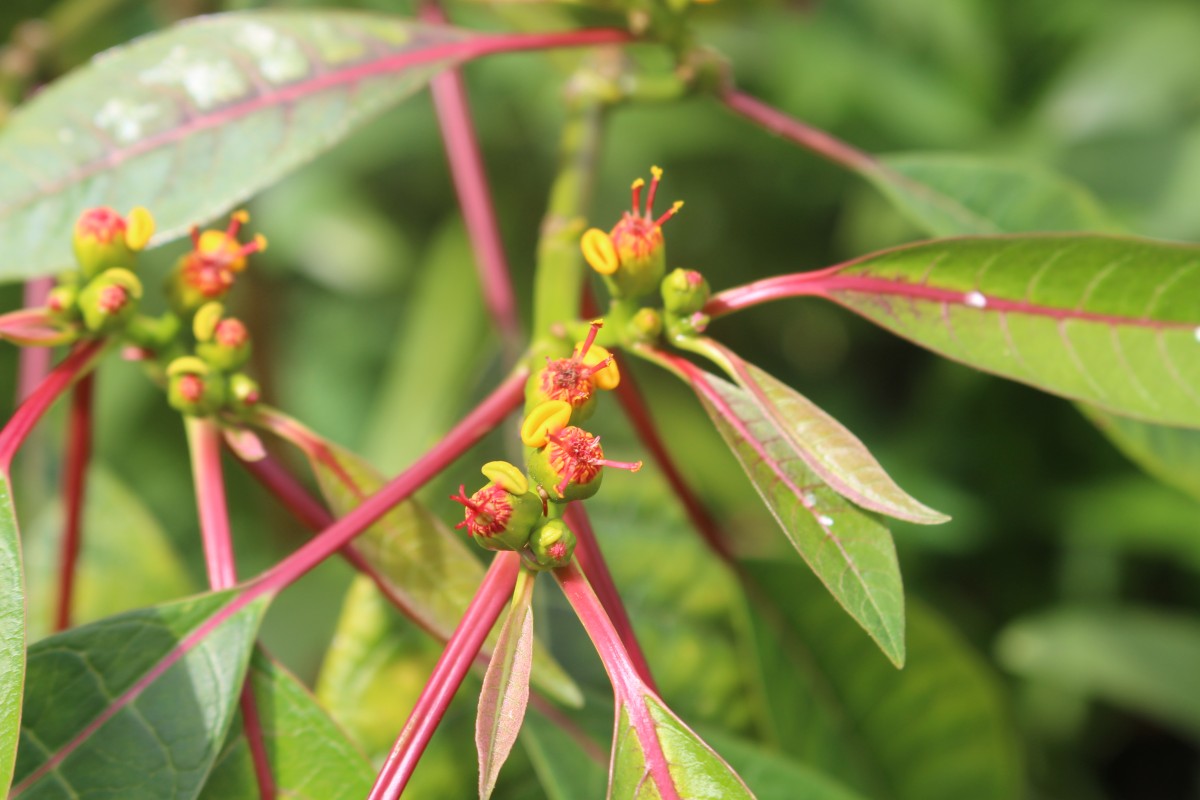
x=799 y=284
x=71 y=369
x=814 y=140
x=630 y=693
x=204 y=440
x=33 y=362
x=464 y=644
x=507 y=397
x=638 y=413
x=591 y=561
x=474 y=196
x=79 y=453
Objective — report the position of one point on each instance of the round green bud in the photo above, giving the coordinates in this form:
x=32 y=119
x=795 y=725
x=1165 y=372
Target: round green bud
x=229 y=347
x=552 y=544
x=646 y=325
x=110 y=300
x=193 y=388
x=684 y=292
x=244 y=392
x=63 y=303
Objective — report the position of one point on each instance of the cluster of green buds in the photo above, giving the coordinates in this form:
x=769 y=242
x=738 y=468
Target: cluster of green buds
x=685 y=292
x=210 y=381
x=102 y=295
x=632 y=257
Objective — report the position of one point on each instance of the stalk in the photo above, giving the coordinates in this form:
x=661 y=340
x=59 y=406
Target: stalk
x=79 y=453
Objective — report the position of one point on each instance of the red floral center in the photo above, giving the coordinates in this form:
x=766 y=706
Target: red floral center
x=487 y=511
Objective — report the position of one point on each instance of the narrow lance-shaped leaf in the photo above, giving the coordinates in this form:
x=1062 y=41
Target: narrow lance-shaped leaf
x=851 y=552
x=12 y=633
x=310 y=757
x=1106 y=320
x=831 y=451
x=103 y=718
x=505 y=693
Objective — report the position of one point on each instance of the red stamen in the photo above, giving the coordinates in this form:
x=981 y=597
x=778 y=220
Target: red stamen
x=637 y=195
x=591 y=338
x=632 y=466
x=195 y=233
x=670 y=212
x=588 y=371
x=656 y=175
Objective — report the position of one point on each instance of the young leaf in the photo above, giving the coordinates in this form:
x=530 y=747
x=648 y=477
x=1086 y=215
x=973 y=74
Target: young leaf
x=1172 y=455
x=12 y=633
x=849 y=551
x=195 y=119
x=835 y=454
x=936 y=730
x=422 y=561
x=696 y=772
x=1106 y=320
x=103 y=718
x=1141 y=659
x=505 y=692
x=310 y=757
x=954 y=195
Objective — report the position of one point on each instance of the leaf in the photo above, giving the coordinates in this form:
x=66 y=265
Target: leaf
x=84 y=735
x=936 y=730
x=1172 y=455
x=310 y=757
x=696 y=772
x=563 y=768
x=505 y=692
x=121 y=537
x=948 y=194
x=849 y=551
x=776 y=777
x=192 y=120
x=420 y=559
x=1105 y=320
x=835 y=454
x=1140 y=659
x=12 y=633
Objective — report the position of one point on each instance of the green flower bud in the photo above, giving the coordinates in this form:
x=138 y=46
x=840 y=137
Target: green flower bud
x=244 y=393
x=684 y=292
x=153 y=333
x=63 y=303
x=193 y=388
x=552 y=544
x=229 y=348
x=104 y=239
x=646 y=325
x=496 y=518
x=110 y=300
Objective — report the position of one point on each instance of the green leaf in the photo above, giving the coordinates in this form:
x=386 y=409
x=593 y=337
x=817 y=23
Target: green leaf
x=831 y=451
x=100 y=722
x=1140 y=659
x=1105 y=320
x=310 y=757
x=954 y=195
x=421 y=560
x=563 y=768
x=936 y=730
x=191 y=121
x=12 y=633
x=850 y=551
x=505 y=693
x=1172 y=455
x=121 y=537
x=695 y=771
x=776 y=777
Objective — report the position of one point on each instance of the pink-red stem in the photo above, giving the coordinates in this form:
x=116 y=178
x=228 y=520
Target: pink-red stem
x=71 y=369
x=33 y=362
x=464 y=644
x=79 y=453
x=629 y=690
x=591 y=561
x=814 y=140
x=204 y=440
x=474 y=196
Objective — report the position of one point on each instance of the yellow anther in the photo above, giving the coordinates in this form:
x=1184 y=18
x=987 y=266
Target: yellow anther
x=260 y=242
x=204 y=324
x=545 y=419
x=241 y=215
x=607 y=378
x=657 y=173
x=639 y=183
x=599 y=252
x=139 y=227
x=506 y=476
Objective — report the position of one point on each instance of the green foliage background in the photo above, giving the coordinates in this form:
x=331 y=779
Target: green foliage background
x=369 y=328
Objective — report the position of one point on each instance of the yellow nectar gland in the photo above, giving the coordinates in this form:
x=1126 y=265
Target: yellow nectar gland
x=545 y=418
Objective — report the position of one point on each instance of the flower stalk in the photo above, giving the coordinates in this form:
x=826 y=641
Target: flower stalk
x=79 y=453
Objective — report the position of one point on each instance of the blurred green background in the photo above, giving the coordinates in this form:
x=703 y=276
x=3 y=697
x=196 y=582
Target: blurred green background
x=1069 y=572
